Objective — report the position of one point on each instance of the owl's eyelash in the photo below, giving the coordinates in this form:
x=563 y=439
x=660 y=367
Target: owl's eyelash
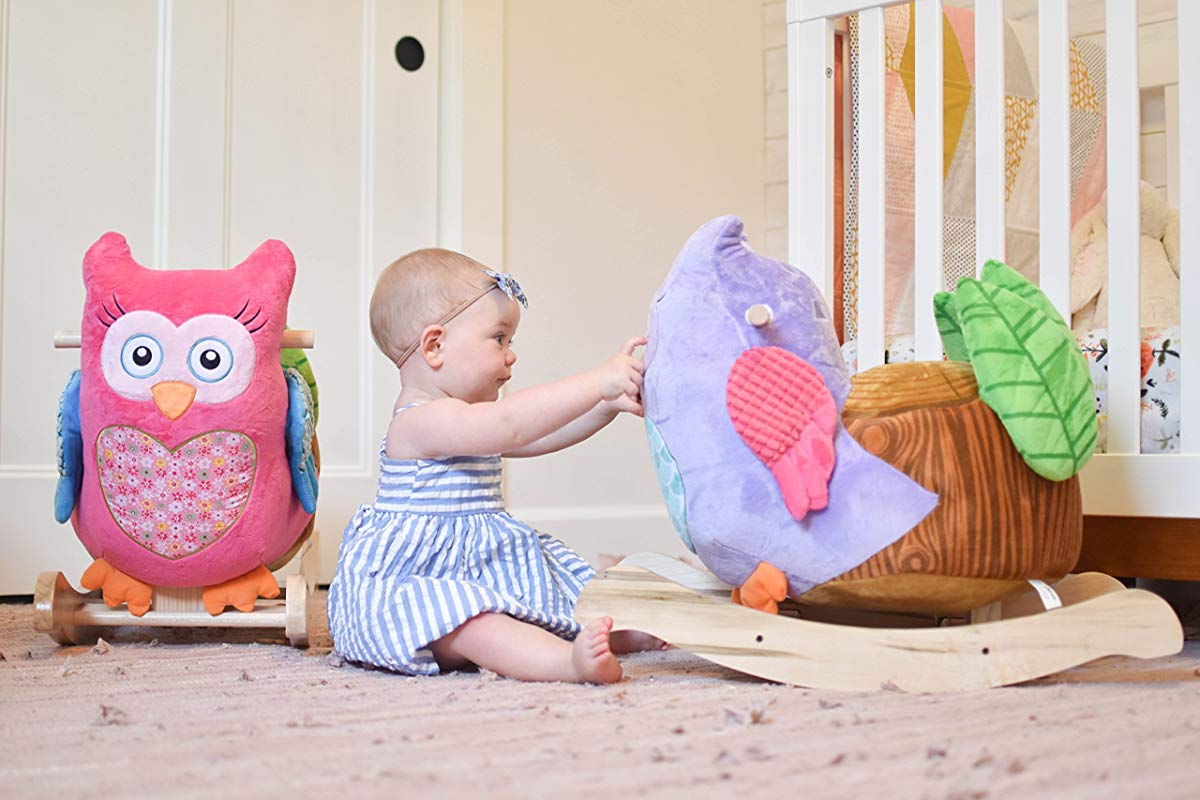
x=249 y=320
x=111 y=315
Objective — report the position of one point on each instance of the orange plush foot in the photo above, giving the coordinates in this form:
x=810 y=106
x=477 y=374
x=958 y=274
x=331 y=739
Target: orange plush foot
x=763 y=590
x=118 y=587
x=241 y=592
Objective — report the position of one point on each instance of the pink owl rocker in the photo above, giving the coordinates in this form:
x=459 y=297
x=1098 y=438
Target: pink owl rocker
x=187 y=461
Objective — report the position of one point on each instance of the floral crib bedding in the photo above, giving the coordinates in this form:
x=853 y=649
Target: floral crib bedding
x=1160 y=380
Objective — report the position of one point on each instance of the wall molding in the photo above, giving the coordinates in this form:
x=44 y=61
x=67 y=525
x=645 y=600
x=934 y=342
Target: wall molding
x=366 y=245
x=162 y=131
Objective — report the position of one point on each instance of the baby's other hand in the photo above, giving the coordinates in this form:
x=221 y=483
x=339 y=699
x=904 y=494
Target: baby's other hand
x=619 y=379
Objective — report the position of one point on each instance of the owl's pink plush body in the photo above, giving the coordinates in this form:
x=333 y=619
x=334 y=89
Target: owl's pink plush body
x=185 y=535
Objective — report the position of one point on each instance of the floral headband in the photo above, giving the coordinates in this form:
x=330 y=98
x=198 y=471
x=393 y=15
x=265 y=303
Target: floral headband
x=503 y=281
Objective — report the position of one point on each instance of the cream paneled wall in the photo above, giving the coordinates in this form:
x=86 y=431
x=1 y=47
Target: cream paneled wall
x=626 y=125
x=575 y=144
x=199 y=129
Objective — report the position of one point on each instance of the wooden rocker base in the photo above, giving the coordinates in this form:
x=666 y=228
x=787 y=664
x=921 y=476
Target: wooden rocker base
x=691 y=610
x=71 y=617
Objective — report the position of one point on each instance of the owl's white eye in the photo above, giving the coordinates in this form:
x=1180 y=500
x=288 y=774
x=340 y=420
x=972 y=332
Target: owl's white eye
x=141 y=355
x=210 y=359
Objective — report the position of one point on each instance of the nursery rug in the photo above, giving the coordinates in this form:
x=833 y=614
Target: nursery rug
x=254 y=718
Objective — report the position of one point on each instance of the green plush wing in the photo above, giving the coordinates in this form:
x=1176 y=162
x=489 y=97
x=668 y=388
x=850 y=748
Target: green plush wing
x=945 y=311
x=1031 y=373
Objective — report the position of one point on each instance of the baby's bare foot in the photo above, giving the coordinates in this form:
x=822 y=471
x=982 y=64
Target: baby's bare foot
x=591 y=656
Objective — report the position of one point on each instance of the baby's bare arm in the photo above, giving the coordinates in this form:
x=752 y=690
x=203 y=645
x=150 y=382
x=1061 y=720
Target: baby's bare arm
x=450 y=427
x=572 y=433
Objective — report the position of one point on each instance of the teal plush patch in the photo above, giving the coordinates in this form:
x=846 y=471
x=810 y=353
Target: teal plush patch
x=669 y=481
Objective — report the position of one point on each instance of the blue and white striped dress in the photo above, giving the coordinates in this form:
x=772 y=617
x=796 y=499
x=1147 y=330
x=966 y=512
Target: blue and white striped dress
x=436 y=549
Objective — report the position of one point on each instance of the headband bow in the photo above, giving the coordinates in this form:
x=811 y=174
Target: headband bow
x=508 y=284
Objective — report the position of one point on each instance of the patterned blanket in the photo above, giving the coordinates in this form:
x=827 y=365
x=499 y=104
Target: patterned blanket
x=1021 y=167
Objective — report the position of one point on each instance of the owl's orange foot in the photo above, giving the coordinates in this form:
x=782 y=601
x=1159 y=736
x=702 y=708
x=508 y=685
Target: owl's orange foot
x=763 y=590
x=241 y=592
x=118 y=587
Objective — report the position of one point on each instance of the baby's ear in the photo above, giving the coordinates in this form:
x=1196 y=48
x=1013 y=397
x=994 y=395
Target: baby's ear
x=430 y=348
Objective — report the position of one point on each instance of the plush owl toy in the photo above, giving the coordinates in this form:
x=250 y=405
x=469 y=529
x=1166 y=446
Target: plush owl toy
x=930 y=487
x=185 y=449
x=762 y=480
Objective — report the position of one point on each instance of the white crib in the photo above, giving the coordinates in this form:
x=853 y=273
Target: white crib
x=1142 y=512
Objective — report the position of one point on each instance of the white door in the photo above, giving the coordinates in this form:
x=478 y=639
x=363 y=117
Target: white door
x=199 y=129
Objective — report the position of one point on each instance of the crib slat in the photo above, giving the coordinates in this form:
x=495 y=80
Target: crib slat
x=1124 y=209
x=989 y=130
x=1189 y=229
x=871 y=189
x=810 y=150
x=928 y=177
x=1054 y=153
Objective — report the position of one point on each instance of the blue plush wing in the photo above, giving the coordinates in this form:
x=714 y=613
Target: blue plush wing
x=70 y=451
x=299 y=436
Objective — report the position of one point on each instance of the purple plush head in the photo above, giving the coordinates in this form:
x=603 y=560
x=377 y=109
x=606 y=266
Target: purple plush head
x=723 y=499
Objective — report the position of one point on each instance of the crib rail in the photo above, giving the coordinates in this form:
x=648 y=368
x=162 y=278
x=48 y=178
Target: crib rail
x=1121 y=482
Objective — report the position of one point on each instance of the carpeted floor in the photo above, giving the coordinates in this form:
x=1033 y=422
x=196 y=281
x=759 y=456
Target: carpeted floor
x=206 y=719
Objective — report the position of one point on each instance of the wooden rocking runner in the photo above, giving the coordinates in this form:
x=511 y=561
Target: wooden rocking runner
x=691 y=610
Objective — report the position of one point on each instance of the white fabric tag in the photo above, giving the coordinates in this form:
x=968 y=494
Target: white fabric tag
x=1050 y=598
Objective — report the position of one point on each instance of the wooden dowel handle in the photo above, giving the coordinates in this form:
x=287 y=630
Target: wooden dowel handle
x=291 y=339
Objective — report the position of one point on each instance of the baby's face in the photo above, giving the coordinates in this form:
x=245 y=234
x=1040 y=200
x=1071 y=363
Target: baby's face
x=477 y=349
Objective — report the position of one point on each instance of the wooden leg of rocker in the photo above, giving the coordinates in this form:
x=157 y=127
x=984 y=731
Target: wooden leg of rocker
x=54 y=605
x=296 y=624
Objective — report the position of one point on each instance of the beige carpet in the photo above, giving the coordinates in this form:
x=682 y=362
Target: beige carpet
x=218 y=720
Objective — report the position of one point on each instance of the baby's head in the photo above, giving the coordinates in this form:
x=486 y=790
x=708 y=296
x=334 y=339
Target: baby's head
x=416 y=290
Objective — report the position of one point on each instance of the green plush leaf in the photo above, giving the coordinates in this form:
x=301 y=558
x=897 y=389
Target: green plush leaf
x=997 y=273
x=945 y=311
x=1032 y=374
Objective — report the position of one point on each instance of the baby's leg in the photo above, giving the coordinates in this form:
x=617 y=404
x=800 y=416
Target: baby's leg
x=526 y=652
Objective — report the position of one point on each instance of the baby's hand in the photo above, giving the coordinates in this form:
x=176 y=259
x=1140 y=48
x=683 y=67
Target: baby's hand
x=619 y=379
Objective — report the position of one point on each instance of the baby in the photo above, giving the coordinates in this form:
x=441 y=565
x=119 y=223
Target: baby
x=435 y=575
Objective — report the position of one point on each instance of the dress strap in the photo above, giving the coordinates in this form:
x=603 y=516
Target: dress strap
x=405 y=407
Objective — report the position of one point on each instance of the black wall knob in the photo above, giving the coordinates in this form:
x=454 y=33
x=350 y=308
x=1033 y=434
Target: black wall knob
x=410 y=54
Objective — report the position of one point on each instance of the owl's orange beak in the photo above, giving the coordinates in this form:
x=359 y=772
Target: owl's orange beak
x=173 y=397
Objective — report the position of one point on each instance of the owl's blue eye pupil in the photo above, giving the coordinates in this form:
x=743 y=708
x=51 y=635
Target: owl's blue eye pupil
x=209 y=359
x=142 y=356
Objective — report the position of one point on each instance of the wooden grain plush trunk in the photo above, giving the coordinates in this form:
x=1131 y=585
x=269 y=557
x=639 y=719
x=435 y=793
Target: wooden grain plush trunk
x=997 y=523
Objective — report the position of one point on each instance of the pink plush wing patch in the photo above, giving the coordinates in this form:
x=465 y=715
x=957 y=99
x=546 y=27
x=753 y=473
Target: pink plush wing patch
x=783 y=411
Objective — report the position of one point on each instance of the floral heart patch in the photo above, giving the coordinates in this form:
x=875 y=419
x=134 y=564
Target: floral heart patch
x=175 y=502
